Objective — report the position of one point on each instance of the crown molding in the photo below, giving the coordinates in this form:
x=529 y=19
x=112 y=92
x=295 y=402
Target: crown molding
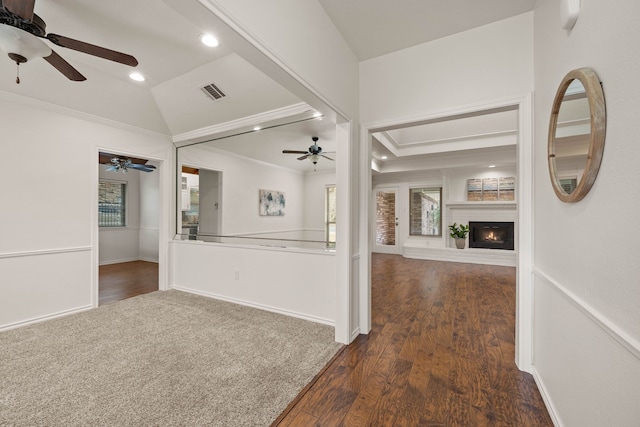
x=81 y=115
x=197 y=135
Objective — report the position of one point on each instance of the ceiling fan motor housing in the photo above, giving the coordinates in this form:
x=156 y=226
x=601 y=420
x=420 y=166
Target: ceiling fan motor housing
x=36 y=26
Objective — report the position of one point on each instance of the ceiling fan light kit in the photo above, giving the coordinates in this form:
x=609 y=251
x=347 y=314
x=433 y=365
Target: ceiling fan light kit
x=314 y=153
x=21 y=34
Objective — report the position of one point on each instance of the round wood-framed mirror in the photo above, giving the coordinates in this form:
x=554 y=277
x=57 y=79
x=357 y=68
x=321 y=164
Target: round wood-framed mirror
x=576 y=134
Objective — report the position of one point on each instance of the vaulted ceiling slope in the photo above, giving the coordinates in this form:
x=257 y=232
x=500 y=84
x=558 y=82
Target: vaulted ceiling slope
x=164 y=36
x=377 y=27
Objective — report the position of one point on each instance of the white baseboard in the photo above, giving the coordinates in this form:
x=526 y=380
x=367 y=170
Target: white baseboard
x=355 y=334
x=468 y=255
x=44 y=318
x=120 y=261
x=117 y=261
x=255 y=305
x=545 y=397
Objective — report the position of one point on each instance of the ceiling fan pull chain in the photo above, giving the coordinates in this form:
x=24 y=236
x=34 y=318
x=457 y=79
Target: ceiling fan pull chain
x=17 y=73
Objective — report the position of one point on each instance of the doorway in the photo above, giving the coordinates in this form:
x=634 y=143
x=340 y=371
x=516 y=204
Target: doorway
x=523 y=147
x=200 y=202
x=128 y=226
x=385 y=223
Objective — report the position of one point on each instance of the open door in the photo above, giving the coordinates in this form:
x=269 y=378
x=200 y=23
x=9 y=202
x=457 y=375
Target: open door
x=386 y=221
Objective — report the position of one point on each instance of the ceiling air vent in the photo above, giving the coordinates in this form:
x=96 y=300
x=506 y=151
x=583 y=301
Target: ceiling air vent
x=213 y=92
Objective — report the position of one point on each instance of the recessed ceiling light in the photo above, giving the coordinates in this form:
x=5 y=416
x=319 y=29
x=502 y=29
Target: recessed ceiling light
x=384 y=157
x=492 y=166
x=209 y=40
x=137 y=76
x=257 y=128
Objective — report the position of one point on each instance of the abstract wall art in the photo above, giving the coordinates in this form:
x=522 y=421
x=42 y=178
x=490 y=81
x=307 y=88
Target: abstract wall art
x=272 y=203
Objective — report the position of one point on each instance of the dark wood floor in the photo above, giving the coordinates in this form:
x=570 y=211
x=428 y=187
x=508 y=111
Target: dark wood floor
x=126 y=280
x=440 y=353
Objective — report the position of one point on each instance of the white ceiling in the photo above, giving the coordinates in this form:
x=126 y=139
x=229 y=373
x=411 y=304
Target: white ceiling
x=164 y=36
x=377 y=27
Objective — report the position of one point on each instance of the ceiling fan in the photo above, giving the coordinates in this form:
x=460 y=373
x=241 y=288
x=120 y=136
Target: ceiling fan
x=314 y=153
x=21 y=33
x=123 y=165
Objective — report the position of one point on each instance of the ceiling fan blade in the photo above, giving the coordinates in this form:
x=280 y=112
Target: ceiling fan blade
x=328 y=152
x=304 y=157
x=22 y=8
x=64 y=67
x=143 y=168
x=92 y=49
x=328 y=158
x=294 y=152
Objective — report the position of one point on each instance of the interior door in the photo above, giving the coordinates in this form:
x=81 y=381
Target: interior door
x=386 y=221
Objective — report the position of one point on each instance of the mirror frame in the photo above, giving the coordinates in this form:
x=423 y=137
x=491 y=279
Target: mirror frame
x=598 y=116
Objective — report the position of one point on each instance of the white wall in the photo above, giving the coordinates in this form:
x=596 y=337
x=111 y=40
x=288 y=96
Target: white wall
x=587 y=286
x=480 y=65
x=292 y=282
x=48 y=219
x=242 y=179
x=299 y=283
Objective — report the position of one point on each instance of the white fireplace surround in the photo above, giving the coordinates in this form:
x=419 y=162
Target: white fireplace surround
x=462 y=213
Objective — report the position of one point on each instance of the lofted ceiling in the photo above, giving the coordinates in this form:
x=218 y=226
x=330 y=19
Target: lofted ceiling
x=377 y=27
x=164 y=36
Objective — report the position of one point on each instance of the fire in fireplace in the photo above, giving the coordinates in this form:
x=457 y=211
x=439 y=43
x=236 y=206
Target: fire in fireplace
x=491 y=235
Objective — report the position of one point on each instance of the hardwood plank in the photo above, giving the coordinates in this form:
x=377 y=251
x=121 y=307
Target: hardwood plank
x=126 y=280
x=440 y=353
x=298 y=418
x=360 y=412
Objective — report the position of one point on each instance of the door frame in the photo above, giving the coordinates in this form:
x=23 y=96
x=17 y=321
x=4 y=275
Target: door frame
x=524 y=263
x=395 y=249
x=164 y=182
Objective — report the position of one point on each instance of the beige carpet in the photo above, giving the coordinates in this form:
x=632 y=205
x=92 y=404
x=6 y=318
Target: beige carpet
x=161 y=359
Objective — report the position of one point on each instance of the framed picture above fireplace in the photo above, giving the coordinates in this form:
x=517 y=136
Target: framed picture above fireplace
x=491 y=189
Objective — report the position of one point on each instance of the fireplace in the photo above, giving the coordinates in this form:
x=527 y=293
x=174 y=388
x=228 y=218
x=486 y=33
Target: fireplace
x=491 y=235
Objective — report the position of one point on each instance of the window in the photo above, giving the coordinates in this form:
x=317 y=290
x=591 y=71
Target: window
x=330 y=215
x=568 y=184
x=425 y=218
x=112 y=196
